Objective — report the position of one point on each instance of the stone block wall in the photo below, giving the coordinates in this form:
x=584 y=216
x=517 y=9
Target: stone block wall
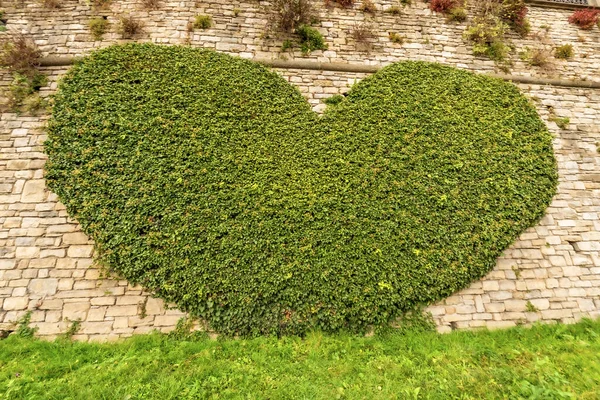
x=551 y=273
x=241 y=28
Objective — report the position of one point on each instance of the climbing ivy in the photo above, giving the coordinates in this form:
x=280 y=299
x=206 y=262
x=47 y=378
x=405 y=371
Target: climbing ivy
x=208 y=179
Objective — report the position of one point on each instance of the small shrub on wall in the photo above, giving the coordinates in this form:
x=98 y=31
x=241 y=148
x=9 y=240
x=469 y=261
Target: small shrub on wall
x=514 y=12
x=98 y=27
x=442 y=5
x=20 y=56
x=288 y=15
x=564 y=52
x=310 y=39
x=585 y=19
x=208 y=179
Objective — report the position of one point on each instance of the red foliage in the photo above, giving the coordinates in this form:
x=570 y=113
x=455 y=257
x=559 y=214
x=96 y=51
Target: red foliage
x=343 y=3
x=514 y=11
x=585 y=19
x=442 y=5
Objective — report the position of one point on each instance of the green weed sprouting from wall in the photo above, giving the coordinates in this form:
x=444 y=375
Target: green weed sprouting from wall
x=209 y=180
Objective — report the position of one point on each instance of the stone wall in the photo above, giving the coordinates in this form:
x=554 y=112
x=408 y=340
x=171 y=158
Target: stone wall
x=552 y=273
x=241 y=28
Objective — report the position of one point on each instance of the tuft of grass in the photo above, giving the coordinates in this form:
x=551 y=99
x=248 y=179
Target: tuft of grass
x=368 y=7
x=394 y=10
x=287 y=45
x=334 y=100
x=23 y=328
x=546 y=361
x=73 y=329
x=98 y=27
x=310 y=39
x=202 y=22
x=362 y=33
x=151 y=4
x=343 y=3
x=289 y=15
x=540 y=58
x=129 y=27
x=396 y=38
x=456 y=14
x=562 y=123
x=529 y=307
x=52 y=4
x=101 y=3
x=564 y=52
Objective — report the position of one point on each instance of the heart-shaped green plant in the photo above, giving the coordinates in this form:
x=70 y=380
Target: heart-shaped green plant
x=208 y=179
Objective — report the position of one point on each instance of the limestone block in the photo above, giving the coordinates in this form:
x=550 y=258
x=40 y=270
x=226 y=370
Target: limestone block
x=75 y=311
x=43 y=287
x=34 y=191
x=15 y=303
x=166 y=320
x=96 y=314
x=75 y=238
x=96 y=328
x=120 y=311
x=80 y=251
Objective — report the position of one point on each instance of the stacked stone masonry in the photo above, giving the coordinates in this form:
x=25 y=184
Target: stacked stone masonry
x=551 y=273
x=241 y=28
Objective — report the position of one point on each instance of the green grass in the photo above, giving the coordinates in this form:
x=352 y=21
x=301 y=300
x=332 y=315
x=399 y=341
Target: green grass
x=544 y=362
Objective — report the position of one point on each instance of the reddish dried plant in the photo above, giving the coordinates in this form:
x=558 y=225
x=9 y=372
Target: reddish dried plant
x=343 y=3
x=442 y=6
x=19 y=54
x=585 y=19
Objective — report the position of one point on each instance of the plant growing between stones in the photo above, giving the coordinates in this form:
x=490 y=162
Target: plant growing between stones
x=98 y=27
x=368 y=7
x=562 y=123
x=514 y=12
x=396 y=38
x=310 y=39
x=343 y=3
x=442 y=6
x=456 y=14
x=202 y=22
x=530 y=307
x=585 y=19
x=288 y=15
x=21 y=57
x=394 y=10
x=143 y=311
x=151 y=4
x=362 y=33
x=23 y=328
x=487 y=35
x=287 y=45
x=564 y=52
x=52 y=4
x=223 y=193
x=130 y=27
x=538 y=57
x=517 y=271
x=101 y=3
x=74 y=327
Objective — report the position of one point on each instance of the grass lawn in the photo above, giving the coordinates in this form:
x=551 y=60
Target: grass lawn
x=543 y=362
